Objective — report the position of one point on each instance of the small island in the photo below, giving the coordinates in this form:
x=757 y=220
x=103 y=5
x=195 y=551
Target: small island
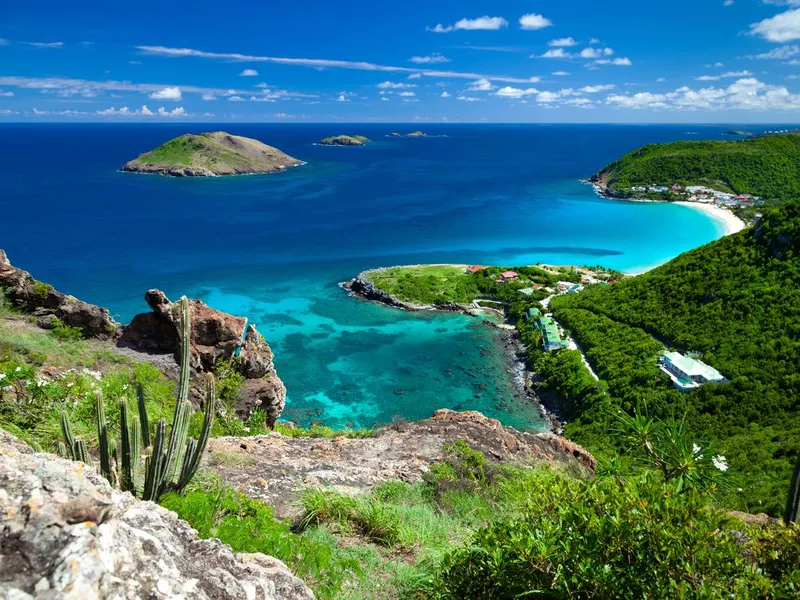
x=344 y=140
x=211 y=155
x=412 y=134
x=738 y=132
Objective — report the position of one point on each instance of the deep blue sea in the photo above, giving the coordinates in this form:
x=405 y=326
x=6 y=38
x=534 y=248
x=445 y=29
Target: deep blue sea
x=273 y=248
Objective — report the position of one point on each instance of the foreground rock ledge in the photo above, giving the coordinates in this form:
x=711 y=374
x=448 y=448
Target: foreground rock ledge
x=276 y=469
x=64 y=533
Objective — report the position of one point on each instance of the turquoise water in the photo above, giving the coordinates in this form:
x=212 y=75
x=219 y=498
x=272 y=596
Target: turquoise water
x=274 y=248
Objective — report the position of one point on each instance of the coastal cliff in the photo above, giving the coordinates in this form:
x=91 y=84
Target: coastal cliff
x=210 y=155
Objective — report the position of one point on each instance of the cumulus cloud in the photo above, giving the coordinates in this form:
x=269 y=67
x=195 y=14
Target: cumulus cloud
x=342 y=98
x=141 y=112
x=430 y=59
x=512 y=92
x=783 y=27
x=532 y=22
x=555 y=53
x=593 y=89
x=481 y=85
x=595 y=52
x=249 y=73
x=564 y=42
x=560 y=73
x=744 y=94
x=167 y=93
x=481 y=23
x=444 y=95
x=57 y=113
x=415 y=76
x=469 y=99
x=406 y=94
x=209 y=97
x=235 y=99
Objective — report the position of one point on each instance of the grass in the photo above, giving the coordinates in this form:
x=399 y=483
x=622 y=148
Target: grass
x=426 y=283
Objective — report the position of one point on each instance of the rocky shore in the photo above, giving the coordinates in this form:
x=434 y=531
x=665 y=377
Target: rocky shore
x=527 y=380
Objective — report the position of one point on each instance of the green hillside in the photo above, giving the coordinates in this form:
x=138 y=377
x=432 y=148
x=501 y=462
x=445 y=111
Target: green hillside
x=767 y=166
x=736 y=301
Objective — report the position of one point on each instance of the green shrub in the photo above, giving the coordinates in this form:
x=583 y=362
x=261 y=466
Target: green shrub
x=65 y=332
x=618 y=538
x=41 y=290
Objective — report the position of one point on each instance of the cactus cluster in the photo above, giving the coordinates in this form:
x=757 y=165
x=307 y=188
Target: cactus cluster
x=170 y=461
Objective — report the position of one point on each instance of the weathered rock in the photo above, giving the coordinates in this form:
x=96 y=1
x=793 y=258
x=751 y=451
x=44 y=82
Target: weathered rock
x=65 y=533
x=46 y=303
x=402 y=451
x=215 y=336
x=362 y=287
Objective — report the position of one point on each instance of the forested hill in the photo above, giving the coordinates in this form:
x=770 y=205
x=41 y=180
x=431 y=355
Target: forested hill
x=737 y=301
x=767 y=166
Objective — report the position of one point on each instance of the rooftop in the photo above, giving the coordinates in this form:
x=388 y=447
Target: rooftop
x=693 y=367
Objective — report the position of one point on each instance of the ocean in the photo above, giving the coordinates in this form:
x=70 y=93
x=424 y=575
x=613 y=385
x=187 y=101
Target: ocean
x=274 y=248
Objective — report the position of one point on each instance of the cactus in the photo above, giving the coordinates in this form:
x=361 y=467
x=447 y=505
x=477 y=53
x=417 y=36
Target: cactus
x=166 y=458
x=793 y=500
x=62 y=449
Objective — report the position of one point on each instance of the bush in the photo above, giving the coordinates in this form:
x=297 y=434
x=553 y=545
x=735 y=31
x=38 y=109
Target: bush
x=65 y=332
x=615 y=538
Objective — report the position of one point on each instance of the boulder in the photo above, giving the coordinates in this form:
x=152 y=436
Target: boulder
x=65 y=533
x=46 y=303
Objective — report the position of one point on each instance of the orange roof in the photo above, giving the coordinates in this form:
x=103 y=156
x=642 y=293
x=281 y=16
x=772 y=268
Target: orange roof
x=475 y=268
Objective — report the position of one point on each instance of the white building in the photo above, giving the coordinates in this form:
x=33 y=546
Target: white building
x=688 y=373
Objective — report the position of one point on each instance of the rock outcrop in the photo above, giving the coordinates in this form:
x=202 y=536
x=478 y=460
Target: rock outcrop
x=215 y=336
x=362 y=287
x=43 y=301
x=401 y=451
x=65 y=533
x=210 y=155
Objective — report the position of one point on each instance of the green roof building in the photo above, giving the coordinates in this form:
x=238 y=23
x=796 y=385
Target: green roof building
x=550 y=336
x=533 y=313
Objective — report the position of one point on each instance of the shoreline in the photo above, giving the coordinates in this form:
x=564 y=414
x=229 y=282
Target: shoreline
x=730 y=222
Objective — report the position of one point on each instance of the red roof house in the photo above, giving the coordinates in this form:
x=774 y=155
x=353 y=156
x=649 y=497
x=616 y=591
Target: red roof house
x=475 y=268
x=509 y=275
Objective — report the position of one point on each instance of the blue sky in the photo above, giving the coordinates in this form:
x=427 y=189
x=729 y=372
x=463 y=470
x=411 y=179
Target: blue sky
x=436 y=61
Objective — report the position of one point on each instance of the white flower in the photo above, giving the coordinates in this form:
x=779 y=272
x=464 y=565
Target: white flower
x=2 y=376
x=124 y=388
x=695 y=448
x=18 y=369
x=720 y=462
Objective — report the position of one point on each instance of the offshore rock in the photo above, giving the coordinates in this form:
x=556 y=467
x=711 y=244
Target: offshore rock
x=403 y=451
x=65 y=533
x=46 y=303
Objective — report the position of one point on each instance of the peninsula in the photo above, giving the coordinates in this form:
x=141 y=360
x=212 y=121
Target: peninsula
x=344 y=140
x=210 y=155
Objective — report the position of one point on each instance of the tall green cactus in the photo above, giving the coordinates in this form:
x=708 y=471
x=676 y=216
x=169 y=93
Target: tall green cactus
x=793 y=500
x=166 y=458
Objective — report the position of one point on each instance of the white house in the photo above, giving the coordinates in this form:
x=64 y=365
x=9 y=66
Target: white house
x=688 y=373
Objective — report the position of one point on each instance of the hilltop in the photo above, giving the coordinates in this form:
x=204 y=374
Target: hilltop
x=735 y=302
x=767 y=166
x=211 y=154
x=344 y=140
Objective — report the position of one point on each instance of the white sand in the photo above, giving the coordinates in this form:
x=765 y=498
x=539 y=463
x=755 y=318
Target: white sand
x=730 y=222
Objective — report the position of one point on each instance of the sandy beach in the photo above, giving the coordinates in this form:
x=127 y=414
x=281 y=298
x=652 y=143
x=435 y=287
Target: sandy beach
x=730 y=221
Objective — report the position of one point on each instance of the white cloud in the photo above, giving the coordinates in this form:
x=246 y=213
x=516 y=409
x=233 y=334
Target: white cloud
x=444 y=95
x=595 y=52
x=430 y=59
x=391 y=85
x=547 y=97
x=512 y=92
x=593 y=89
x=564 y=42
x=235 y=99
x=45 y=44
x=283 y=115
x=8 y=111
x=783 y=27
x=141 y=112
x=486 y=23
x=134 y=62
x=581 y=102
x=730 y=74
x=619 y=62
x=744 y=94
x=168 y=93
x=532 y=22
x=560 y=73
x=593 y=41
x=481 y=85
x=342 y=98
x=6 y=94
x=406 y=94
x=384 y=98
x=780 y=53
x=325 y=64
x=555 y=53
x=469 y=99
x=661 y=80
x=261 y=85
x=249 y=73
x=415 y=76
x=57 y=113
x=209 y=97
x=261 y=99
